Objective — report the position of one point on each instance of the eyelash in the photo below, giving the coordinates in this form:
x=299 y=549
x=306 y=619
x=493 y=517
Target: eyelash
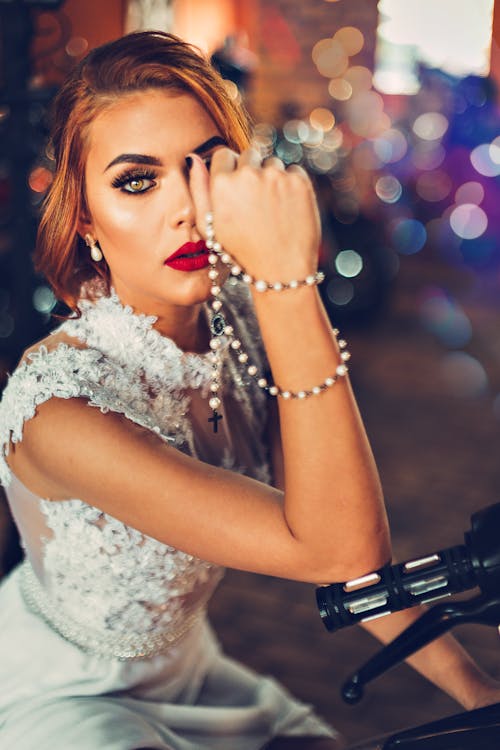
x=136 y=174
x=144 y=174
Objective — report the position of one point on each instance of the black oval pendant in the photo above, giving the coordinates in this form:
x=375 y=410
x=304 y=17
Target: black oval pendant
x=217 y=324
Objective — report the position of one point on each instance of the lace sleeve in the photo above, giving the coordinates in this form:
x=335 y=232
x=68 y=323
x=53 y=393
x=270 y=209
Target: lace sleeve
x=64 y=372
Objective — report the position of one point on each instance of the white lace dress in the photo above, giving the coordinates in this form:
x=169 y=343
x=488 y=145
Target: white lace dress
x=104 y=643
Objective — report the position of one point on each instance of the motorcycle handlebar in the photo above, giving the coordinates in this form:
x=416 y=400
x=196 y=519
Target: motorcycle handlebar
x=419 y=581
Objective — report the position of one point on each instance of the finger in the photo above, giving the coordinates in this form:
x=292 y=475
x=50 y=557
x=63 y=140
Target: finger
x=250 y=158
x=297 y=169
x=199 y=181
x=273 y=161
x=223 y=160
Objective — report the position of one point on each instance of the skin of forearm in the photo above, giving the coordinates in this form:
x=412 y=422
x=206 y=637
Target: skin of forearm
x=333 y=498
x=444 y=662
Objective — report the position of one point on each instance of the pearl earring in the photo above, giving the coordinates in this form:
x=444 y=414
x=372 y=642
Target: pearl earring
x=95 y=250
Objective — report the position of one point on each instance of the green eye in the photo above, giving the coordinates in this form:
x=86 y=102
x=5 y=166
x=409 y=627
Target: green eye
x=135 y=182
x=138 y=185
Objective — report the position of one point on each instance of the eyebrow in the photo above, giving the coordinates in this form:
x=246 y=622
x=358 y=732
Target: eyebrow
x=216 y=140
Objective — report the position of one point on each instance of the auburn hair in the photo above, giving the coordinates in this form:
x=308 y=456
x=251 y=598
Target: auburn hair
x=135 y=62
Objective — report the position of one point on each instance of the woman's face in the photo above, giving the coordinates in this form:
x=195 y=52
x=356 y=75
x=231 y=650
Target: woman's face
x=140 y=208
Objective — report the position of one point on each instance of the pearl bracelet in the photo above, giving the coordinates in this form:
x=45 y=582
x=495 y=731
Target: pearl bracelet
x=219 y=327
x=236 y=270
x=340 y=372
x=274 y=390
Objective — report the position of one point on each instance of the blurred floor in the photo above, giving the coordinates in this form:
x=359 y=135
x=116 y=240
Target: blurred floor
x=438 y=458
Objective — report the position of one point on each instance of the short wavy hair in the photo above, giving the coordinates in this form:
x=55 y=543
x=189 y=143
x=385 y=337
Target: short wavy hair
x=135 y=62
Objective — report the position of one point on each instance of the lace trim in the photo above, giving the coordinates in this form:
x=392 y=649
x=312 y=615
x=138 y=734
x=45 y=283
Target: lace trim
x=112 y=646
x=123 y=347
x=130 y=338
x=66 y=372
x=63 y=373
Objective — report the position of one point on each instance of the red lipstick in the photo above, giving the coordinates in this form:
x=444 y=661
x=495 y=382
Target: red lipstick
x=192 y=256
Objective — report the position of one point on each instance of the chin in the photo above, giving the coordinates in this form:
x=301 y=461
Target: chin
x=194 y=292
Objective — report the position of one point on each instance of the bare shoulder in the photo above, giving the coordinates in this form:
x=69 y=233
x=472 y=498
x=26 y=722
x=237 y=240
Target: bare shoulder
x=62 y=438
x=43 y=423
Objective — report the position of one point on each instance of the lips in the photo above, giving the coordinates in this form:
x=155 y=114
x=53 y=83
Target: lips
x=191 y=256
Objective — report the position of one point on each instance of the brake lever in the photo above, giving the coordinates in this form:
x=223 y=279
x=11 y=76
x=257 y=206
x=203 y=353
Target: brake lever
x=435 y=622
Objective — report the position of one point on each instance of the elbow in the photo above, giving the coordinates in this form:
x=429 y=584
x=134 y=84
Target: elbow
x=355 y=562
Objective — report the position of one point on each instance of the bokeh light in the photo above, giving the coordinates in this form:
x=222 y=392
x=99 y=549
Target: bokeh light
x=428 y=155
x=388 y=189
x=7 y=325
x=445 y=318
x=364 y=157
x=470 y=192
x=340 y=89
x=430 y=126
x=349 y=263
x=322 y=119
x=391 y=146
x=296 y=131
x=408 y=236
x=40 y=179
x=289 y=153
x=346 y=210
x=485 y=159
x=330 y=58
x=433 y=186
x=468 y=221
x=332 y=140
x=351 y=39
x=340 y=292
x=314 y=137
x=322 y=161
x=264 y=137
x=232 y=89
x=464 y=375
x=44 y=300
x=365 y=114
x=359 y=77
x=77 y=46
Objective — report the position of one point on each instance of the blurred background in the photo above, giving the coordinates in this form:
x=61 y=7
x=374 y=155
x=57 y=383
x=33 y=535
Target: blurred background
x=393 y=108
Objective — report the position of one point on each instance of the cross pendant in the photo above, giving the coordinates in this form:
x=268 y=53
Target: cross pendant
x=215 y=419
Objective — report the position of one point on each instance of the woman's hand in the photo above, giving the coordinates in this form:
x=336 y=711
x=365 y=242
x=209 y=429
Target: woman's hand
x=265 y=216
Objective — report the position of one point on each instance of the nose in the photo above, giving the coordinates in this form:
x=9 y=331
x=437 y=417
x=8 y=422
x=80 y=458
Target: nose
x=184 y=209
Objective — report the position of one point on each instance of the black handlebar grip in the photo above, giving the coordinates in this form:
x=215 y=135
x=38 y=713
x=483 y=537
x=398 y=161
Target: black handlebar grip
x=396 y=587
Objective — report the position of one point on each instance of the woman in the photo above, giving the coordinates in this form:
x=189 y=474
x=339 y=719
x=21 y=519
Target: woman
x=129 y=510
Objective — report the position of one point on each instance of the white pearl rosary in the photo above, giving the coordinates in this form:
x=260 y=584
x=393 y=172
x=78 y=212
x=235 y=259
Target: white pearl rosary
x=219 y=327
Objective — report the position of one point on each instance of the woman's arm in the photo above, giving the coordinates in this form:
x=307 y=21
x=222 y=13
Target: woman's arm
x=444 y=662
x=331 y=485
x=330 y=523
x=71 y=450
